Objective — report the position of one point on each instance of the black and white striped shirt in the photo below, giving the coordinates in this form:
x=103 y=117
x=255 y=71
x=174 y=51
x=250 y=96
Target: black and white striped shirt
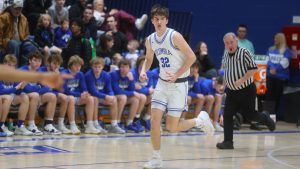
x=236 y=66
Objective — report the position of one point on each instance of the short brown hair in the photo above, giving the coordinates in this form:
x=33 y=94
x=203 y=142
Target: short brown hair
x=75 y=59
x=124 y=62
x=97 y=61
x=159 y=10
x=37 y=55
x=10 y=58
x=55 y=57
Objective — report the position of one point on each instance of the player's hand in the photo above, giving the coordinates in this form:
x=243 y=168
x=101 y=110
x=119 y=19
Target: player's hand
x=151 y=90
x=143 y=76
x=130 y=76
x=137 y=86
x=171 y=77
x=19 y=86
x=54 y=80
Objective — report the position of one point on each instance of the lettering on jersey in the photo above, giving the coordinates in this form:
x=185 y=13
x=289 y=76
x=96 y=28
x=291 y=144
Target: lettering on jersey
x=8 y=85
x=162 y=51
x=100 y=85
x=275 y=58
x=73 y=84
x=123 y=84
x=191 y=83
x=143 y=83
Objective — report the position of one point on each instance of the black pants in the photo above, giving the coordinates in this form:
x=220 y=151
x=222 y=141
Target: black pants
x=274 y=91
x=239 y=101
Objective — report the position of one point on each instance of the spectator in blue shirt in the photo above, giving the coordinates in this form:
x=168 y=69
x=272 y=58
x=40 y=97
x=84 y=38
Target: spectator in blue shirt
x=214 y=88
x=40 y=93
x=10 y=95
x=66 y=102
x=145 y=89
x=99 y=85
x=77 y=88
x=194 y=94
x=124 y=87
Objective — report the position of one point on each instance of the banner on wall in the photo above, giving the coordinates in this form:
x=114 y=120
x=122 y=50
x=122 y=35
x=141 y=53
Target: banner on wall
x=260 y=75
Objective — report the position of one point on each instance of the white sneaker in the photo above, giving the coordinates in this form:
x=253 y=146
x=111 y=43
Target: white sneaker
x=102 y=130
x=91 y=130
x=50 y=129
x=35 y=131
x=64 y=129
x=75 y=130
x=117 y=130
x=140 y=22
x=218 y=127
x=205 y=123
x=23 y=131
x=5 y=130
x=154 y=162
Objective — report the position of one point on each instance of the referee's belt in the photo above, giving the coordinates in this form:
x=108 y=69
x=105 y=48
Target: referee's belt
x=178 y=80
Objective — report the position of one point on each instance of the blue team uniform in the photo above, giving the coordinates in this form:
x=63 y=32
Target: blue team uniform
x=155 y=76
x=122 y=85
x=76 y=85
x=276 y=61
x=146 y=85
x=194 y=87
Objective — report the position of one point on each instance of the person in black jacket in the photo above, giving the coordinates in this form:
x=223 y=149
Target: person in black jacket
x=76 y=10
x=44 y=36
x=33 y=9
x=78 y=45
x=207 y=67
x=90 y=24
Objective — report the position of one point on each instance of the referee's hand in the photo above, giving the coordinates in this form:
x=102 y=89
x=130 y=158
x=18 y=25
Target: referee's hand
x=238 y=83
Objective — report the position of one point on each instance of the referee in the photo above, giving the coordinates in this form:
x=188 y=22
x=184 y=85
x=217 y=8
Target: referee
x=239 y=68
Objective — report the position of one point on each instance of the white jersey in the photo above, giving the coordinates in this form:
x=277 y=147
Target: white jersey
x=170 y=58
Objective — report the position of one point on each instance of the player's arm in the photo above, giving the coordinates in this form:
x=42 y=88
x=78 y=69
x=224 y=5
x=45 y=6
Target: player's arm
x=182 y=45
x=148 y=60
x=50 y=79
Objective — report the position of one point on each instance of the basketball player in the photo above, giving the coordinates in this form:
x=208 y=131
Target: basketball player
x=175 y=58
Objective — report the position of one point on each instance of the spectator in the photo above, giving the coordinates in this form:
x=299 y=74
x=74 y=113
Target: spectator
x=14 y=27
x=133 y=52
x=77 y=87
x=124 y=88
x=58 y=13
x=242 y=38
x=99 y=85
x=277 y=70
x=76 y=10
x=33 y=9
x=62 y=34
x=44 y=36
x=78 y=45
x=90 y=26
x=120 y=40
x=104 y=50
x=207 y=66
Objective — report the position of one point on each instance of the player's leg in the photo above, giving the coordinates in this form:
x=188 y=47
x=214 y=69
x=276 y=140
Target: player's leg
x=34 y=99
x=23 y=102
x=63 y=101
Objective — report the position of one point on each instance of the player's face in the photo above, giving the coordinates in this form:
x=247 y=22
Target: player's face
x=159 y=22
x=124 y=69
x=97 y=68
x=194 y=71
x=219 y=88
x=75 y=67
x=35 y=63
x=54 y=66
x=230 y=44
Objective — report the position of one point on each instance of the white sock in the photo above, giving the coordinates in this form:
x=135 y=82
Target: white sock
x=31 y=123
x=114 y=122
x=129 y=122
x=137 y=115
x=61 y=121
x=96 y=123
x=72 y=124
x=89 y=123
x=147 y=117
x=156 y=153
